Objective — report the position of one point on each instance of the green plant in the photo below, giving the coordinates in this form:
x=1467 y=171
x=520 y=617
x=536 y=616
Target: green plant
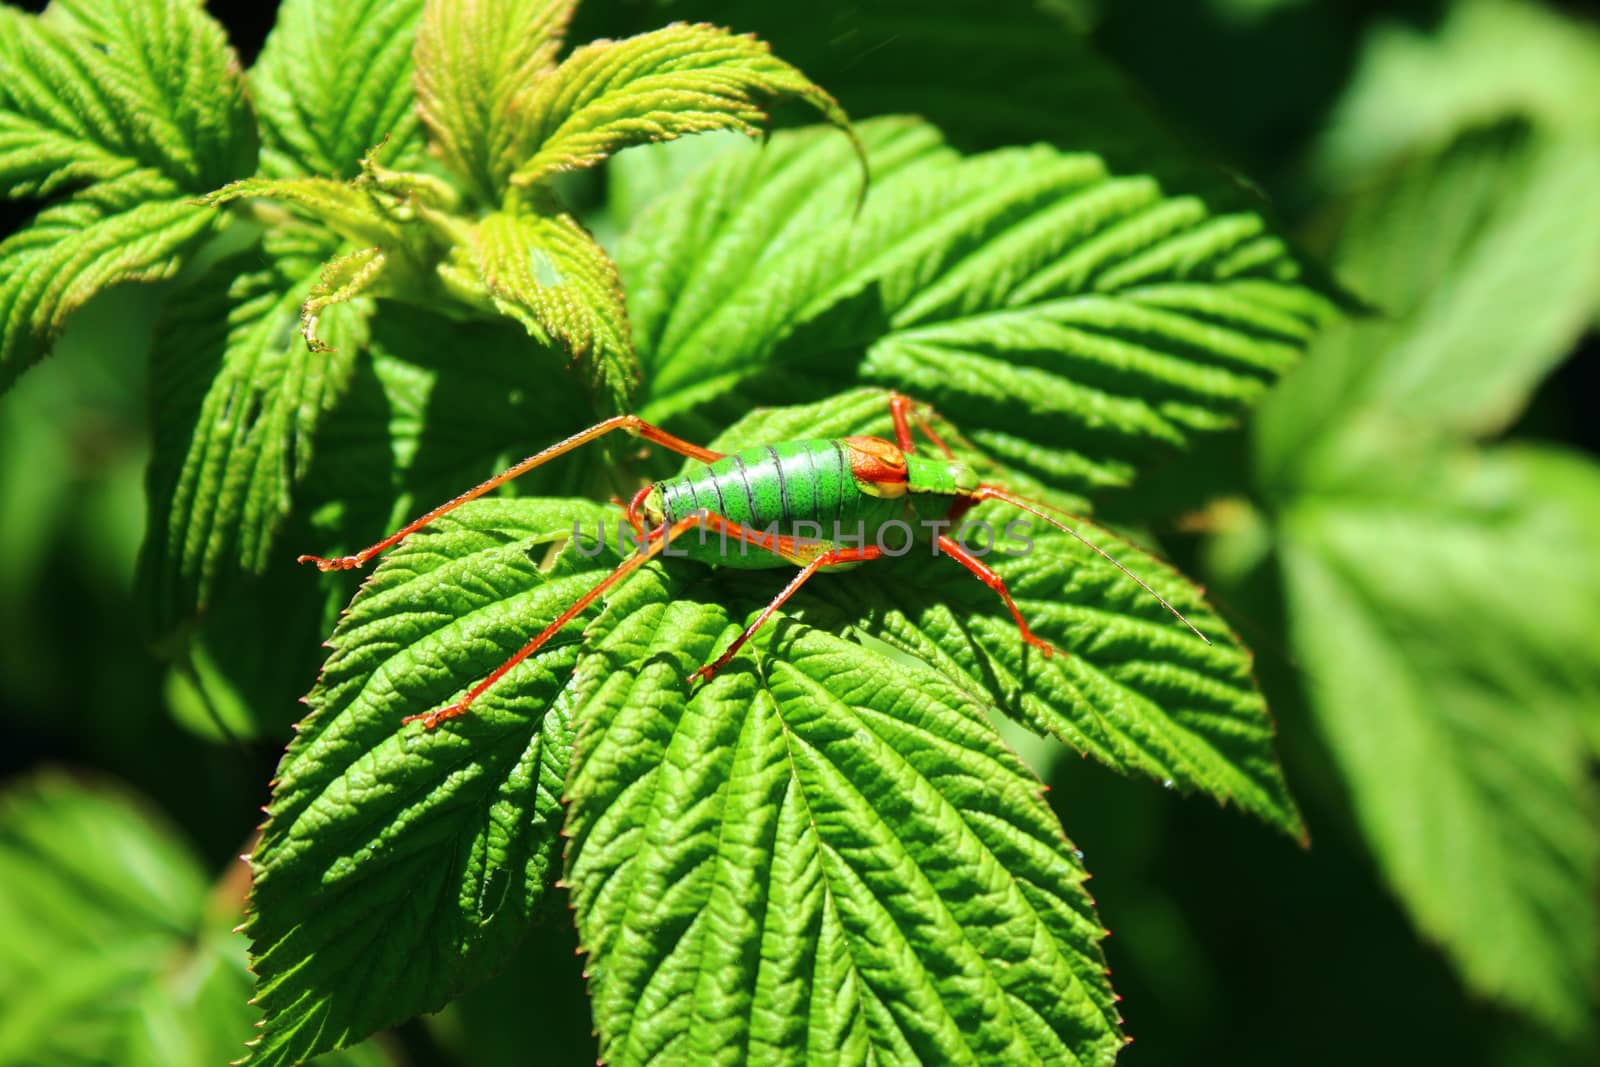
x=386 y=265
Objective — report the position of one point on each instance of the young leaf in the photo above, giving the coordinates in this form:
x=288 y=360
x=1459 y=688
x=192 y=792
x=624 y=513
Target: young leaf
x=821 y=856
x=239 y=395
x=355 y=211
x=988 y=73
x=473 y=59
x=341 y=280
x=653 y=87
x=114 y=951
x=1073 y=323
x=74 y=250
x=1468 y=598
x=332 y=82
x=546 y=272
x=400 y=866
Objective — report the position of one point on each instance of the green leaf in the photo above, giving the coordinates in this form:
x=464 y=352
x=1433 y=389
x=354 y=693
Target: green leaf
x=1075 y=324
x=115 y=952
x=1485 y=61
x=653 y=87
x=435 y=405
x=1447 y=624
x=332 y=82
x=341 y=280
x=363 y=802
x=1136 y=690
x=548 y=273
x=128 y=106
x=1461 y=581
x=822 y=856
x=1488 y=254
x=636 y=176
x=74 y=250
x=400 y=866
x=474 y=57
x=354 y=210
x=100 y=88
x=431 y=405
x=239 y=395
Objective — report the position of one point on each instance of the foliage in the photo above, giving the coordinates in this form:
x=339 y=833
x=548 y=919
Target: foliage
x=117 y=950
x=416 y=240
x=1477 y=693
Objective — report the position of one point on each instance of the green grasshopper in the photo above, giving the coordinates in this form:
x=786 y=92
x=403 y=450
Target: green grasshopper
x=863 y=483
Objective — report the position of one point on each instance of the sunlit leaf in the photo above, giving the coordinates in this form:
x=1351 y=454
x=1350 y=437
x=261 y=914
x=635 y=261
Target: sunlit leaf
x=988 y=73
x=129 y=109
x=100 y=88
x=474 y=57
x=546 y=272
x=653 y=87
x=1076 y=324
x=74 y=250
x=1136 y=690
x=821 y=857
x=354 y=211
x=401 y=866
x=333 y=81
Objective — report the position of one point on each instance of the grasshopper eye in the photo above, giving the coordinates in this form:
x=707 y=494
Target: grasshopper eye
x=878 y=466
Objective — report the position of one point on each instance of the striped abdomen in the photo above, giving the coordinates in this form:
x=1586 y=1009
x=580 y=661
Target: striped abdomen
x=777 y=485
